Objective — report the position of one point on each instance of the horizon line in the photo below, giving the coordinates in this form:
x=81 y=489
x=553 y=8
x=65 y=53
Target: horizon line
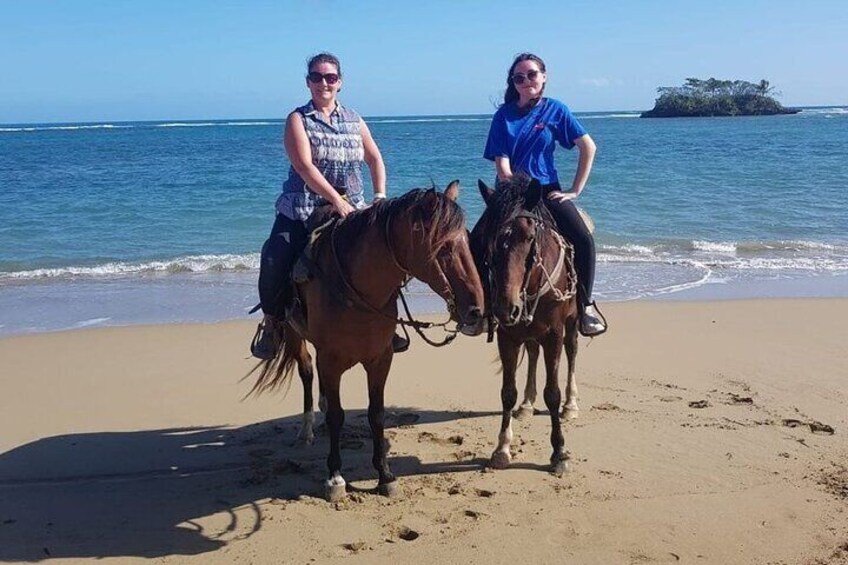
x=282 y=119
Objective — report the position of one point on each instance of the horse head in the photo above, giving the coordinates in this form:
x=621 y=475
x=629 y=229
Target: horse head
x=516 y=246
x=437 y=253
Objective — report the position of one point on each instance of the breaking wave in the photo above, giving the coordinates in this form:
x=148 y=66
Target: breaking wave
x=190 y=264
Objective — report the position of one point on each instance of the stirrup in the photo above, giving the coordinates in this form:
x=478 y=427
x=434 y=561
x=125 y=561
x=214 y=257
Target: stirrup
x=399 y=343
x=265 y=344
x=592 y=323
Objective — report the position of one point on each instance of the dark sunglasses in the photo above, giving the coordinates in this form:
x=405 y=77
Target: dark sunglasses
x=316 y=77
x=518 y=78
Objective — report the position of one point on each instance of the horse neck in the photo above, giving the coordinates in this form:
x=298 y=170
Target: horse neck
x=367 y=260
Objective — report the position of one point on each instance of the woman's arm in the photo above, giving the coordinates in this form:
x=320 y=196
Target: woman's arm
x=586 y=148
x=503 y=168
x=300 y=154
x=374 y=160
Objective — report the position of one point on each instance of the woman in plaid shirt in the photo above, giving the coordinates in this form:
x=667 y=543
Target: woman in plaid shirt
x=326 y=144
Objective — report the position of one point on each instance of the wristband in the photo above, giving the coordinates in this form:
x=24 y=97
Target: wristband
x=379 y=195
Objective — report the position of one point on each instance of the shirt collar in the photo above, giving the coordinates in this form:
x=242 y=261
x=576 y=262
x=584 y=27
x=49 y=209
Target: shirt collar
x=520 y=112
x=312 y=111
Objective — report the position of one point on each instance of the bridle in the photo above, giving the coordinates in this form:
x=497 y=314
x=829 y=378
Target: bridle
x=353 y=298
x=447 y=293
x=534 y=260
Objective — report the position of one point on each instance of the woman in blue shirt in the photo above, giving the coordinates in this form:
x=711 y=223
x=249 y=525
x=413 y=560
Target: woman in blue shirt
x=524 y=133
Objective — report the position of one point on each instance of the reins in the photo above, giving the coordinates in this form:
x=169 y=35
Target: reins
x=352 y=298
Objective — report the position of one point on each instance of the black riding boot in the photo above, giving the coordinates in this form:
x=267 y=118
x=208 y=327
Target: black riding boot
x=284 y=245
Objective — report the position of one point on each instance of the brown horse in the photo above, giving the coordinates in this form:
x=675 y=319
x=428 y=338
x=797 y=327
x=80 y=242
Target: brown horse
x=351 y=306
x=532 y=291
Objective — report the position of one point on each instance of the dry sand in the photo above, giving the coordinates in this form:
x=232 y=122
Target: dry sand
x=704 y=437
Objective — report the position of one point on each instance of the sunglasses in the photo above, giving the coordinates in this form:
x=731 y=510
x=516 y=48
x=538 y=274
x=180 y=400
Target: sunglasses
x=519 y=78
x=316 y=77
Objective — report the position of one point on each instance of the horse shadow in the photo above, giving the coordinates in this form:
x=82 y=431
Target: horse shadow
x=145 y=493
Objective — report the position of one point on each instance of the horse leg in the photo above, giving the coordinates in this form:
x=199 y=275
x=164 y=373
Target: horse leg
x=304 y=369
x=570 y=411
x=322 y=399
x=552 y=345
x=378 y=372
x=508 y=350
x=330 y=377
x=526 y=409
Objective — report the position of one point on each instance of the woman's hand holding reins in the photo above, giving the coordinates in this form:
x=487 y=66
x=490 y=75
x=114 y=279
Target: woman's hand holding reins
x=342 y=207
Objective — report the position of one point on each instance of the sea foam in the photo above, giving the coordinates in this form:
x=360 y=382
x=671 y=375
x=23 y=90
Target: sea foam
x=190 y=264
x=64 y=128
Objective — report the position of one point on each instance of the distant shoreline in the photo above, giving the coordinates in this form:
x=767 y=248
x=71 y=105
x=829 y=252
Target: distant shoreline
x=281 y=119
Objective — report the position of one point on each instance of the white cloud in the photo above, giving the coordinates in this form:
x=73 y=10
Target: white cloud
x=596 y=82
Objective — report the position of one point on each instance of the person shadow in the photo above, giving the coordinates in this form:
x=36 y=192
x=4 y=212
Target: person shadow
x=178 y=491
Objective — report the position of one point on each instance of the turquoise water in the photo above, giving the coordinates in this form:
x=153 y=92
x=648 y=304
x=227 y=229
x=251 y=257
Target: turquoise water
x=117 y=223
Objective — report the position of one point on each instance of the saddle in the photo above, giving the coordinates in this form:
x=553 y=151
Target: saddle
x=587 y=219
x=319 y=223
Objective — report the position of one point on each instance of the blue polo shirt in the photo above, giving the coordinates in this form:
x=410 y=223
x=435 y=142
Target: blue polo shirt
x=529 y=140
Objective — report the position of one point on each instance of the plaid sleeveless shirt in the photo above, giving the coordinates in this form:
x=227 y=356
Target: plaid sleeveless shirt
x=337 y=152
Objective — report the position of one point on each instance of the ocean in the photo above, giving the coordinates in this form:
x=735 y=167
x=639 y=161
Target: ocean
x=161 y=222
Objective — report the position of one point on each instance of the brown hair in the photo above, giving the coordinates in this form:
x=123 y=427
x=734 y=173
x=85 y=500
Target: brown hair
x=324 y=58
x=511 y=94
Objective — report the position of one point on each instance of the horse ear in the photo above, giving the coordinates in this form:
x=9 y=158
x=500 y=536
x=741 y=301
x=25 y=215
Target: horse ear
x=452 y=191
x=485 y=191
x=533 y=194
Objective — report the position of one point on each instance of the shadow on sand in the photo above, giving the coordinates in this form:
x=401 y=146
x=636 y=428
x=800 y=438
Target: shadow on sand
x=142 y=493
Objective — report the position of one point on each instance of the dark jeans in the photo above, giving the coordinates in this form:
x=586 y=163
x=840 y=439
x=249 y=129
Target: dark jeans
x=573 y=228
x=280 y=251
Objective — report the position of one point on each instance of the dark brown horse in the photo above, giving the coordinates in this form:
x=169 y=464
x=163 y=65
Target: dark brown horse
x=532 y=295
x=351 y=306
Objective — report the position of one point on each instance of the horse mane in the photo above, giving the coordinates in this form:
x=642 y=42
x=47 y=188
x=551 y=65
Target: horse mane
x=508 y=200
x=443 y=216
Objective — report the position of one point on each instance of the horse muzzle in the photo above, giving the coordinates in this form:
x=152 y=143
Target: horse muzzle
x=509 y=314
x=471 y=323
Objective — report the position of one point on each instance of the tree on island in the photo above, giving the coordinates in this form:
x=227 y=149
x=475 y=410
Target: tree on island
x=713 y=97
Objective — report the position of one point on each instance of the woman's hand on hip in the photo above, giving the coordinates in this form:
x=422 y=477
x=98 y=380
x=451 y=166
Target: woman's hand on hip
x=560 y=196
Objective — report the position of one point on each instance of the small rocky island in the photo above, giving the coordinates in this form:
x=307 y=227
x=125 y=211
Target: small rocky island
x=713 y=97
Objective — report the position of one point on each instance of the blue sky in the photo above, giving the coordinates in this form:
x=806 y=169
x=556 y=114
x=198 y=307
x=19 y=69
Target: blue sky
x=86 y=60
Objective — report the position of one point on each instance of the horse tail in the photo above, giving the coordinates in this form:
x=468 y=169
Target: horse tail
x=274 y=373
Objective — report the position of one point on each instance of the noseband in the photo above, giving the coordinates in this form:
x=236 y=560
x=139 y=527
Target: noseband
x=534 y=260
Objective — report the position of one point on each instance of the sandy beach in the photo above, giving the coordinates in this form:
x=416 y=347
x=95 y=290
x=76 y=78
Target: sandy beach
x=709 y=432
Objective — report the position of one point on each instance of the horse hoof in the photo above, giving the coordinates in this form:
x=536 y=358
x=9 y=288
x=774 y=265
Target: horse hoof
x=560 y=468
x=335 y=491
x=523 y=413
x=500 y=460
x=570 y=413
x=389 y=490
x=306 y=438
